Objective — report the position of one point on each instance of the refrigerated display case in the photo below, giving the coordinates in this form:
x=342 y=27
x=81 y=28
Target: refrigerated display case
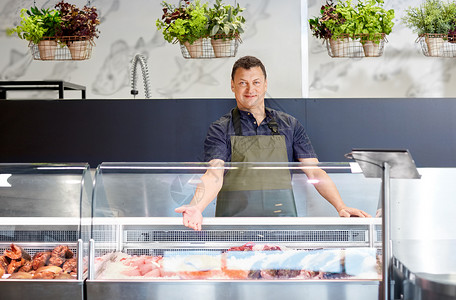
x=424 y=238
x=140 y=249
x=44 y=230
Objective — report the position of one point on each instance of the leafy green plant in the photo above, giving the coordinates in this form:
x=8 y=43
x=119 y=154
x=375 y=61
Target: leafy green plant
x=184 y=23
x=347 y=12
x=432 y=16
x=224 y=21
x=335 y=20
x=37 y=24
x=372 y=20
x=328 y=14
x=367 y=18
x=77 y=22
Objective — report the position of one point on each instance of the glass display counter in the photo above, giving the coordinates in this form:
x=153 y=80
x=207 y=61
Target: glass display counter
x=44 y=219
x=140 y=249
x=424 y=237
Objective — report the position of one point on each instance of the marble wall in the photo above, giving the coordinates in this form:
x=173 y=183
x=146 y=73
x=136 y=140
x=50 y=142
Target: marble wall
x=128 y=28
x=402 y=71
x=277 y=32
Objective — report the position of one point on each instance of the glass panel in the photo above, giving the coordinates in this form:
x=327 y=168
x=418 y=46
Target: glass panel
x=40 y=220
x=156 y=189
x=137 y=235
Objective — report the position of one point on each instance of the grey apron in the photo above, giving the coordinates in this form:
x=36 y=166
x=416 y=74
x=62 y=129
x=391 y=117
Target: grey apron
x=248 y=192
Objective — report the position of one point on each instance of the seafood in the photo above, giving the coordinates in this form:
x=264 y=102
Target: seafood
x=21 y=275
x=26 y=267
x=40 y=259
x=62 y=251
x=53 y=269
x=14 y=265
x=70 y=265
x=4 y=262
x=47 y=272
x=118 y=265
x=56 y=261
x=17 y=252
x=44 y=275
x=44 y=265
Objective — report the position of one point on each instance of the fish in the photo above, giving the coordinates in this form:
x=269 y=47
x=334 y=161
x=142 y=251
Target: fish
x=17 y=252
x=187 y=74
x=53 y=269
x=113 y=75
x=21 y=275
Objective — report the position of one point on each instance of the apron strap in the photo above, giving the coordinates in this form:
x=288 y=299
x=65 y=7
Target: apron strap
x=274 y=127
x=236 y=115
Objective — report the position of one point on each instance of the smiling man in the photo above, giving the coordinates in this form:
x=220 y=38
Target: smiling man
x=252 y=132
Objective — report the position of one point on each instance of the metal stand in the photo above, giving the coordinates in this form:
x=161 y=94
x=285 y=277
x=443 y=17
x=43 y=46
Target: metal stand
x=55 y=85
x=386 y=164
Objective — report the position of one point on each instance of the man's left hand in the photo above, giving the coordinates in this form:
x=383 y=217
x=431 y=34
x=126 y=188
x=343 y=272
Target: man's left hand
x=348 y=212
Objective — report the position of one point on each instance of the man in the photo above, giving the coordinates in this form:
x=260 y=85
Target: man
x=253 y=133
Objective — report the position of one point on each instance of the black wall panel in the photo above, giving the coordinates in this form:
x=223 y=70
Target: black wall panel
x=94 y=131
x=427 y=127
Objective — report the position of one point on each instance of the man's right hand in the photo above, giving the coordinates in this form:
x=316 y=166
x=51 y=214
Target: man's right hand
x=191 y=216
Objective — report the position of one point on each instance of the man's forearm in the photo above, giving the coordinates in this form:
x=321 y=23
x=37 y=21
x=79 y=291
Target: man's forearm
x=207 y=189
x=323 y=183
x=328 y=190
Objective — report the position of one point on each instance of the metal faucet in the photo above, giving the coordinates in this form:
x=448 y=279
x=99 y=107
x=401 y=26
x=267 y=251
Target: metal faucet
x=145 y=72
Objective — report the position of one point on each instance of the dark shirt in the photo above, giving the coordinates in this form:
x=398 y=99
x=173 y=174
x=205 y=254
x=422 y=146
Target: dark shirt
x=218 y=143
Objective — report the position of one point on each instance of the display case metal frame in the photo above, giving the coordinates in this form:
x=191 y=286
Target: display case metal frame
x=386 y=164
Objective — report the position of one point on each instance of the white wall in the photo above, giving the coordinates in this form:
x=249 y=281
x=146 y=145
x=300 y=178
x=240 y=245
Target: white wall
x=128 y=28
x=274 y=31
x=402 y=71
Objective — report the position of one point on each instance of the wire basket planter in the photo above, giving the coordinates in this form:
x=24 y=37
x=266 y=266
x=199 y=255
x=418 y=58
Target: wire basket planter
x=63 y=48
x=437 y=45
x=211 y=47
x=355 y=46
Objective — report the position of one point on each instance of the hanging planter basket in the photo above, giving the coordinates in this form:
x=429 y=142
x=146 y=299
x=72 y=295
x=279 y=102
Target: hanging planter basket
x=211 y=47
x=65 y=48
x=356 y=46
x=437 y=45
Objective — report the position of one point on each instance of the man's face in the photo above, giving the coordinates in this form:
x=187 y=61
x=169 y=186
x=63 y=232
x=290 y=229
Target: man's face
x=249 y=88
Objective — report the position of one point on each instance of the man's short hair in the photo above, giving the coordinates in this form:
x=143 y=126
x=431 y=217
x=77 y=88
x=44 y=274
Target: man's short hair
x=248 y=62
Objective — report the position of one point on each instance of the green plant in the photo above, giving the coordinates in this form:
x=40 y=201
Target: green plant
x=335 y=20
x=347 y=13
x=37 y=24
x=432 y=16
x=77 y=22
x=224 y=21
x=318 y=25
x=372 y=20
x=184 y=23
x=367 y=18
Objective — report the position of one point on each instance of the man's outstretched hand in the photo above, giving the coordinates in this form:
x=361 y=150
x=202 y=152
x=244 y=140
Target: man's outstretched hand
x=191 y=216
